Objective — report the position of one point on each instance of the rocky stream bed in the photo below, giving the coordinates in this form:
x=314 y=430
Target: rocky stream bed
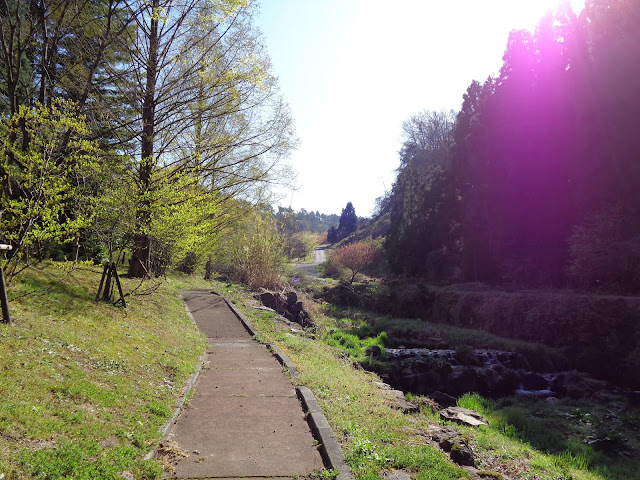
x=491 y=373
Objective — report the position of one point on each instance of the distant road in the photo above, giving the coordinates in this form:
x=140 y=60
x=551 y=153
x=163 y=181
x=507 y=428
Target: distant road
x=311 y=269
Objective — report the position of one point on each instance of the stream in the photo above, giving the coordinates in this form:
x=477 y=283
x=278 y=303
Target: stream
x=491 y=373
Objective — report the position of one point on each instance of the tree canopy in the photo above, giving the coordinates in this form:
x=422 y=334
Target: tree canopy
x=179 y=106
x=518 y=186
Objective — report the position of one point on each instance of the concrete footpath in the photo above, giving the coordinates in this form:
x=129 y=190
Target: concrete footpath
x=244 y=419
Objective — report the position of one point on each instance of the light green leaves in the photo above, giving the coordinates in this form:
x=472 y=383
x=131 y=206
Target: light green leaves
x=44 y=158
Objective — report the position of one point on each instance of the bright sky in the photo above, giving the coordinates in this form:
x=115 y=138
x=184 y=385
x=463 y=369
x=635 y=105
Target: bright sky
x=353 y=70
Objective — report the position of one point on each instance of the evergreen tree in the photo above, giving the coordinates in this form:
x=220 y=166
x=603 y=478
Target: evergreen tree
x=348 y=222
x=332 y=234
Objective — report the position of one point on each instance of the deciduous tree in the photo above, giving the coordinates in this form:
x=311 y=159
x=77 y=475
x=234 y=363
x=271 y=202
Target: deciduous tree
x=356 y=257
x=44 y=156
x=209 y=108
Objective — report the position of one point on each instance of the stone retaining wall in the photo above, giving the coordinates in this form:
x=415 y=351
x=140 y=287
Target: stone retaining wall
x=601 y=334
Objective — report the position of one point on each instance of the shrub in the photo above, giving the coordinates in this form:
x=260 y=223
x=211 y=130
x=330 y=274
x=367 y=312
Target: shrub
x=189 y=263
x=357 y=257
x=301 y=244
x=255 y=256
x=331 y=269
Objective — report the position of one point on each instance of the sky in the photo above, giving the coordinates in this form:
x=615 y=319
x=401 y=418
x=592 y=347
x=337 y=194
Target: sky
x=352 y=71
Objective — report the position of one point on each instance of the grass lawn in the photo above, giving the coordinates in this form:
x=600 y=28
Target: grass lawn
x=85 y=385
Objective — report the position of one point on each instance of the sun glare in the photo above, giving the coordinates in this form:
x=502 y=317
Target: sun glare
x=527 y=13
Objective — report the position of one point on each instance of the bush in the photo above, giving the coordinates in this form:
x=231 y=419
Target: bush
x=188 y=264
x=301 y=244
x=255 y=256
x=357 y=257
x=332 y=269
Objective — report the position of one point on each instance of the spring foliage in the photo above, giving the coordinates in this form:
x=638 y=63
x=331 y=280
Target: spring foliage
x=254 y=254
x=184 y=116
x=356 y=257
x=44 y=163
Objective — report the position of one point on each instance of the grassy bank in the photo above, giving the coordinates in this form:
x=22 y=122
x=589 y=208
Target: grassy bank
x=86 y=385
x=375 y=436
x=527 y=439
x=567 y=439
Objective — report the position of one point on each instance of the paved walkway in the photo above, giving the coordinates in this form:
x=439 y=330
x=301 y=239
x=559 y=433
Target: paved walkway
x=244 y=420
x=311 y=269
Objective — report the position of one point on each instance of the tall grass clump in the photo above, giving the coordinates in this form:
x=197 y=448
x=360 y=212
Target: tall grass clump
x=355 y=345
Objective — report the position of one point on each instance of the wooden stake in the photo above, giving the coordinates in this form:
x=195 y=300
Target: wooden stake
x=107 y=287
x=6 y=316
x=115 y=274
x=104 y=274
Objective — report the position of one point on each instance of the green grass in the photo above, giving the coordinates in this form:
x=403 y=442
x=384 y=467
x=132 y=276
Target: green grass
x=414 y=332
x=85 y=385
x=526 y=439
x=549 y=439
x=374 y=436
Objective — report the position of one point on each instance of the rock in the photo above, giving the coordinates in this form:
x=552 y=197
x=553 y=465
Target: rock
x=473 y=471
x=396 y=475
x=449 y=440
x=506 y=383
x=374 y=350
x=443 y=399
x=273 y=301
x=534 y=381
x=576 y=384
x=292 y=298
x=383 y=386
x=397 y=401
x=463 y=415
x=420 y=384
x=461 y=454
x=407 y=370
x=286 y=305
x=462 y=380
x=264 y=309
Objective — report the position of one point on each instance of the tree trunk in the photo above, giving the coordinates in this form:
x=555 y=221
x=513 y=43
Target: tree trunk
x=140 y=265
x=208 y=269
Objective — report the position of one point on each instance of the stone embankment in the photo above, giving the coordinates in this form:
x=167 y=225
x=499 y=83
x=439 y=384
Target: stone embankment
x=285 y=304
x=600 y=334
x=491 y=373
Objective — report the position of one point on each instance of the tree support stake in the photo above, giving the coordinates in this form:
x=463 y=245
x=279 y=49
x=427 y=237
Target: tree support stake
x=6 y=316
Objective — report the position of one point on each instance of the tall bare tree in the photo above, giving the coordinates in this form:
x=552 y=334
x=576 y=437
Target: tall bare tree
x=209 y=111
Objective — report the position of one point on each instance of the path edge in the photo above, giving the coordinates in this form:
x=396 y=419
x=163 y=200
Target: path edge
x=186 y=390
x=329 y=447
